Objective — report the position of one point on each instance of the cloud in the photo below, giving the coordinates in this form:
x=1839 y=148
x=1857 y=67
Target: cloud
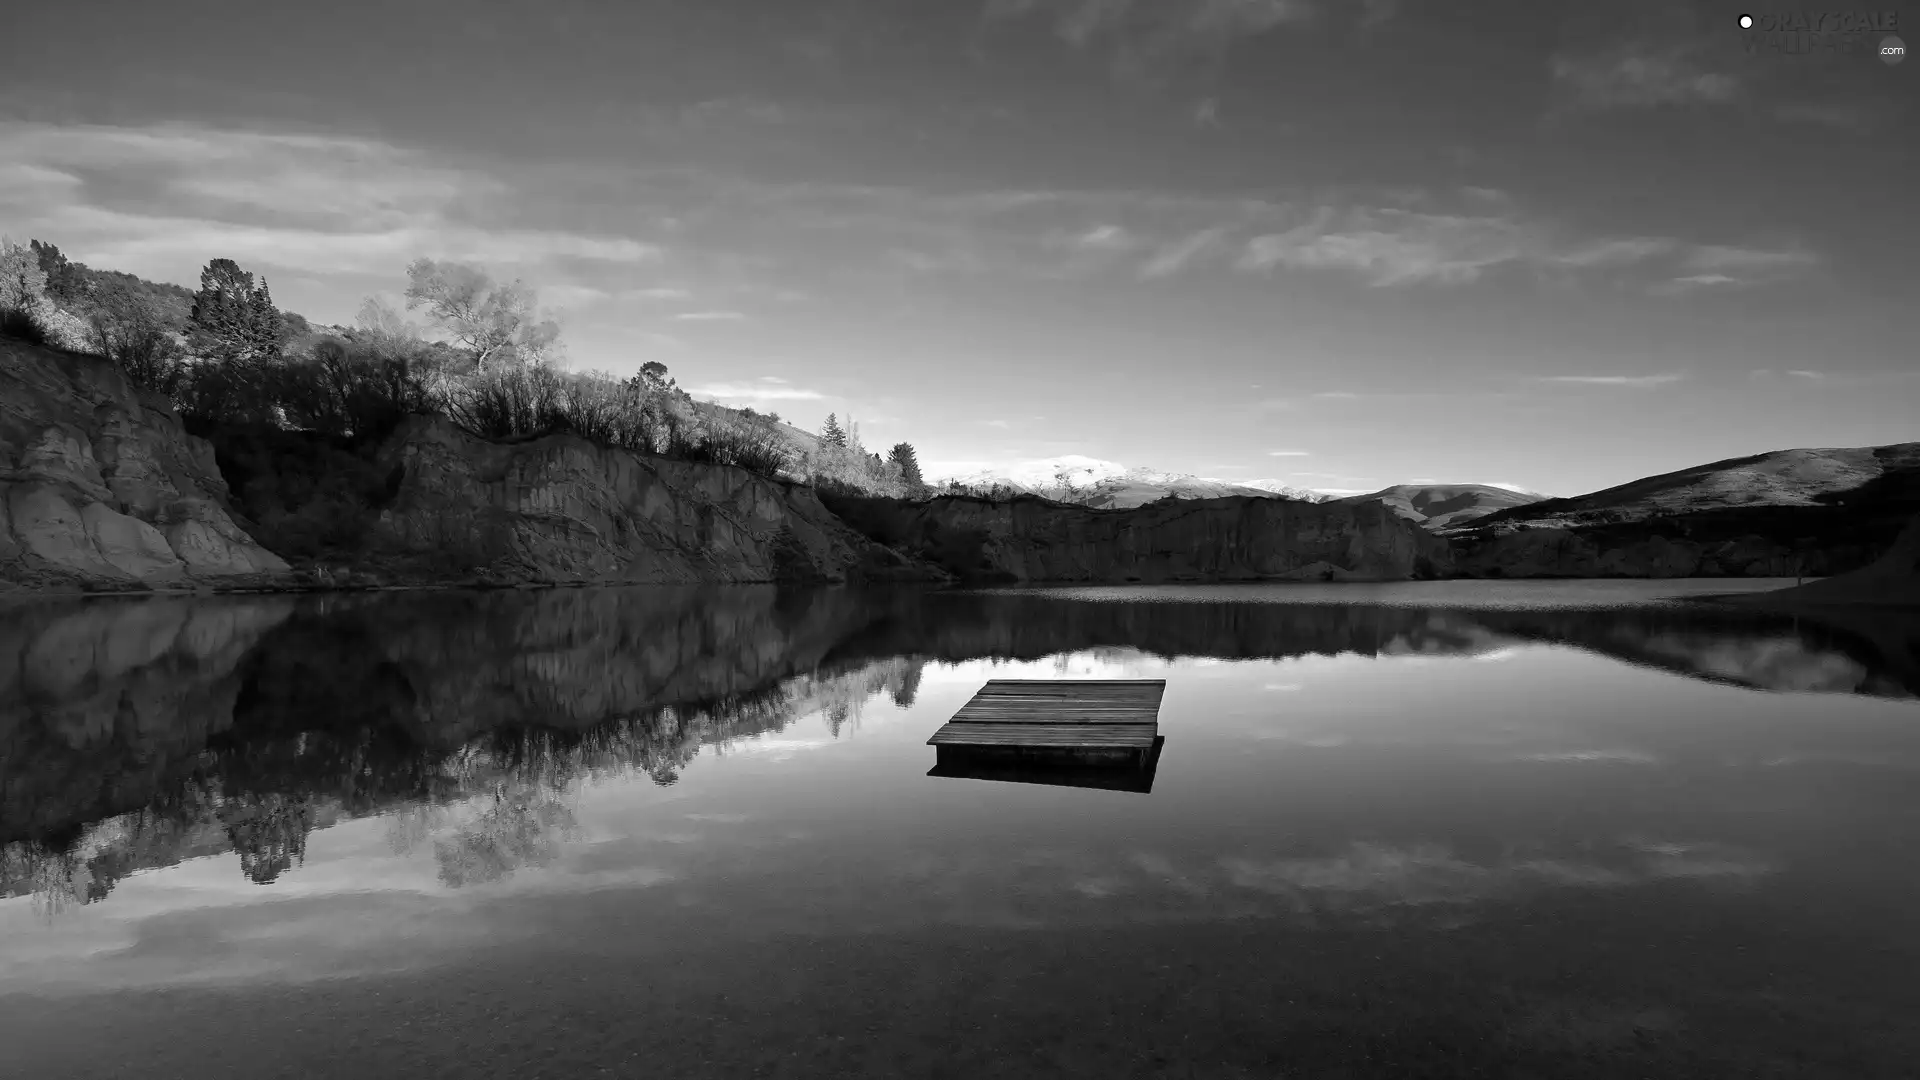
x=1336 y=395
x=1622 y=251
x=1105 y=238
x=772 y=379
x=1002 y=424
x=1173 y=257
x=1836 y=115
x=1150 y=42
x=1816 y=375
x=573 y=296
x=1716 y=258
x=1289 y=453
x=157 y=199
x=756 y=391
x=1640 y=381
x=1640 y=76
x=710 y=316
x=1391 y=246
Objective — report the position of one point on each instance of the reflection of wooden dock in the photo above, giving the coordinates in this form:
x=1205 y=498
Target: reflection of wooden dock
x=987 y=763
x=1084 y=720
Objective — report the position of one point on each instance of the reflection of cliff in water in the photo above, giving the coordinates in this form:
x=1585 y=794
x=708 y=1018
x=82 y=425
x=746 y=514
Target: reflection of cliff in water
x=138 y=734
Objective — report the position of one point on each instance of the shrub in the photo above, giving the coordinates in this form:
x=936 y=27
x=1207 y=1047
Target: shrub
x=508 y=402
x=129 y=330
x=350 y=393
x=23 y=324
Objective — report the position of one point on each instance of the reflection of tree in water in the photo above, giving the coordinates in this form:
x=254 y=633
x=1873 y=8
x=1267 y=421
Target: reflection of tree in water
x=518 y=828
x=486 y=808
x=909 y=685
x=269 y=832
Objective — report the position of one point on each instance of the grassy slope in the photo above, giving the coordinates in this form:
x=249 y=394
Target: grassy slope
x=1441 y=506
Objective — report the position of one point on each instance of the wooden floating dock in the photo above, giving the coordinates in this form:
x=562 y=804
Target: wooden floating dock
x=1052 y=731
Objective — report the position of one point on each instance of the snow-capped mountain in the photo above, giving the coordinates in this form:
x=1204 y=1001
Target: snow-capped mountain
x=1092 y=482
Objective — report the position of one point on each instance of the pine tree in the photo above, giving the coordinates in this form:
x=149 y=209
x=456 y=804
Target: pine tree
x=266 y=329
x=832 y=434
x=232 y=317
x=903 y=456
x=66 y=281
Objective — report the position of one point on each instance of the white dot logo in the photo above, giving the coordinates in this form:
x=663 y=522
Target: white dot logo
x=1892 y=50
x=1746 y=22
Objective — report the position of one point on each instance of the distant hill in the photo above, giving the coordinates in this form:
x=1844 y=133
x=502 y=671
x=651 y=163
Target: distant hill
x=1085 y=481
x=1829 y=477
x=1443 y=506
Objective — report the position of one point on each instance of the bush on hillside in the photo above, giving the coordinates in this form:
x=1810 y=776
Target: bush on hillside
x=635 y=414
x=22 y=324
x=128 y=329
x=349 y=393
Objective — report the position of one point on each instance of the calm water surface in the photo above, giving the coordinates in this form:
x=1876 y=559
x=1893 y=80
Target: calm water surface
x=1481 y=829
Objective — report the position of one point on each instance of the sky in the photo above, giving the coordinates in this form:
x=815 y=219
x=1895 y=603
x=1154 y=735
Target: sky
x=1337 y=243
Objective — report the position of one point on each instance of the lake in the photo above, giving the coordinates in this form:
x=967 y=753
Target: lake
x=1567 y=829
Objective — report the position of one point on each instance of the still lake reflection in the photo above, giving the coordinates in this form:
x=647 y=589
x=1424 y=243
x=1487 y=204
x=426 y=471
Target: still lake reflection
x=1475 y=829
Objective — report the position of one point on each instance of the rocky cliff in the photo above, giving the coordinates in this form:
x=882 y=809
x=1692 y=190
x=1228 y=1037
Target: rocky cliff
x=101 y=488
x=1031 y=539
x=1893 y=580
x=560 y=510
x=1630 y=551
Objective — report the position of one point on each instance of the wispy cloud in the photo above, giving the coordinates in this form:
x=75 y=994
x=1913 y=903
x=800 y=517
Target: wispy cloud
x=1151 y=42
x=755 y=391
x=1640 y=75
x=1391 y=246
x=1289 y=453
x=1640 y=381
x=160 y=200
x=1336 y=395
x=710 y=316
x=1002 y=424
x=1815 y=375
x=1841 y=116
x=1177 y=255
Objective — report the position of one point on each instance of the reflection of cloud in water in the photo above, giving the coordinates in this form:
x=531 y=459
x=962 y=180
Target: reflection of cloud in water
x=1369 y=881
x=1777 y=663
x=772 y=749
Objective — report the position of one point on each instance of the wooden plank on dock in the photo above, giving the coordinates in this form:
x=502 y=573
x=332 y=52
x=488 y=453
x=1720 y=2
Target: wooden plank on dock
x=1075 y=714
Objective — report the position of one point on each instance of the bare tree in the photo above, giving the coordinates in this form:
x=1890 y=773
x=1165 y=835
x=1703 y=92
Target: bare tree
x=495 y=322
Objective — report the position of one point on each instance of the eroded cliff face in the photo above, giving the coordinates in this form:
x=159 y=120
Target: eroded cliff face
x=1196 y=540
x=100 y=699
x=1892 y=580
x=101 y=488
x=560 y=510
x=1577 y=553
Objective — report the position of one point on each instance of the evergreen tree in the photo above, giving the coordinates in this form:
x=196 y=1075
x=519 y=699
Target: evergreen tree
x=66 y=281
x=832 y=434
x=903 y=456
x=232 y=317
x=267 y=330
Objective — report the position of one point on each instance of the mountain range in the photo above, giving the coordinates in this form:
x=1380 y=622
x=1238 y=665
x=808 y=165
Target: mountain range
x=1086 y=481
x=1809 y=478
